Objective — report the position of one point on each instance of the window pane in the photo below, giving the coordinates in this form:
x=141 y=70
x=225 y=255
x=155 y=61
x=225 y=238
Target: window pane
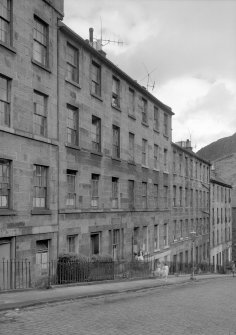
x=40 y=186
x=4 y=183
x=40 y=41
x=96 y=79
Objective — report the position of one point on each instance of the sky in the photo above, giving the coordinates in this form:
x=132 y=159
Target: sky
x=186 y=47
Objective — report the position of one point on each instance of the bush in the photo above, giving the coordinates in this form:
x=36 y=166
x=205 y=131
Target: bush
x=72 y=268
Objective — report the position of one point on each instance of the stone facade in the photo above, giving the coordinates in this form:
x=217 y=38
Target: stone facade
x=87 y=163
x=21 y=148
x=122 y=227
x=226 y=169
x=234 y=234
x=190 y=205
x=221 y=222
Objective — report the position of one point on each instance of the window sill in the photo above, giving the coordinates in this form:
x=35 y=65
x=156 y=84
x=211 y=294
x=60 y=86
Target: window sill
x=96 y=96
x=72 y=146
x=145 y=167
x=69 y=211
x=116 y=108
x=166 y=247
x=41 y=66
x=7 y=129
x=42 y=139
x=116 y=159
x=7 y=212
x=156 y=169
x=39 y=211
x=96 y=153
x=8 y=47
x=132 y=116
x=73 y=83
x=156 y=130
x=145 y=124
x=166 y=136
x=132 y=163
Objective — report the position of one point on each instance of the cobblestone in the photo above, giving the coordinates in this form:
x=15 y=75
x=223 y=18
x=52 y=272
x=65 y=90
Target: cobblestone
x=206 y=308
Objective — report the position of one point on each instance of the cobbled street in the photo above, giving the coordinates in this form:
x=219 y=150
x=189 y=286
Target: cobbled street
x=207 y=307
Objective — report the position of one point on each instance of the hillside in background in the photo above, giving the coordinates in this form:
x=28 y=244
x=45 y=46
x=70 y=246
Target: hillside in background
x=219 y=148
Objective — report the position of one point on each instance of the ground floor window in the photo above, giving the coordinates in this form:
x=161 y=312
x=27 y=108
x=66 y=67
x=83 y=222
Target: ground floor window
x=71 y=243
x=42 y=254
x=95 y=243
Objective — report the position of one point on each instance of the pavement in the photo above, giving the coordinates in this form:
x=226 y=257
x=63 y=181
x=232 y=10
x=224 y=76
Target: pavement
x=34 y=297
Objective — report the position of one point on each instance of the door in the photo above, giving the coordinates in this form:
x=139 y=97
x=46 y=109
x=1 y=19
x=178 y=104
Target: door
x=5 y=252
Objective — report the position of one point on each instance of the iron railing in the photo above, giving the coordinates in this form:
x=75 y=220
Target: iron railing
x=65 y=272
x=15 y=274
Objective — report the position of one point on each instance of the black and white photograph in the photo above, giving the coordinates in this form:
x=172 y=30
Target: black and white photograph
x=117 y=167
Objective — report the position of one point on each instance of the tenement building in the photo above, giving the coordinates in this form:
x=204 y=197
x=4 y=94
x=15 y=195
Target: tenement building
x=87 y=163
x=221 y=222
x=29 y=130
x=189 y=236
x=85 y=151
x=115 y=151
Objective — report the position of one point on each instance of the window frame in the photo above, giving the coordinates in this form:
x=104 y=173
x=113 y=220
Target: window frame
x=96 y=81
x=156 y=238
x=156 y=118
x=40 y=187
x=144 y=109
x=96 y=135
x=165 y=234
x=131 y=147
x=7 y=181
x=115 y=192
x=73 y=239
x=43 y=44
x=7 y=21
x=165 y=159
x=6 y=103
x=71 y=188
x=165 y=125
x=95 y=238
x=42 y=116
x=72 y=126
x=95 y=178
x=115 y=102
x=41 y=252
x=156 y=195
x=115 y=141
x=74 y=77
x=156 y=156
x=131 y=102
x=165 y=196
x=131 y=193
x=144 y=152
x=144 y=195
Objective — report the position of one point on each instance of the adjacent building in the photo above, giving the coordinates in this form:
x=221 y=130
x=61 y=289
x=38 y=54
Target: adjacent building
x=221 y=222
x=115 y=152
x=190 y=213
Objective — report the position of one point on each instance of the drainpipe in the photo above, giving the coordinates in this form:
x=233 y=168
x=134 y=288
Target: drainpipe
x=58 y=139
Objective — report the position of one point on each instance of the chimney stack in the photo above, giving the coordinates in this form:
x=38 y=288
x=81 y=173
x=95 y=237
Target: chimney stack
x=91 y=36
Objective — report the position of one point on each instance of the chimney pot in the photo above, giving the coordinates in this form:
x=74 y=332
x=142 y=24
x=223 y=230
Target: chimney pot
x=91 y=35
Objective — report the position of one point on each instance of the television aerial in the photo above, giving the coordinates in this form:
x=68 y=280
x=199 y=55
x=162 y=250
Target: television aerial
x=102 y=42
x=150 y=83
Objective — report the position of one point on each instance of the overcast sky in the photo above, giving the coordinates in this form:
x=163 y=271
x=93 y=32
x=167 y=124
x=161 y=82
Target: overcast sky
x=187 y=46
